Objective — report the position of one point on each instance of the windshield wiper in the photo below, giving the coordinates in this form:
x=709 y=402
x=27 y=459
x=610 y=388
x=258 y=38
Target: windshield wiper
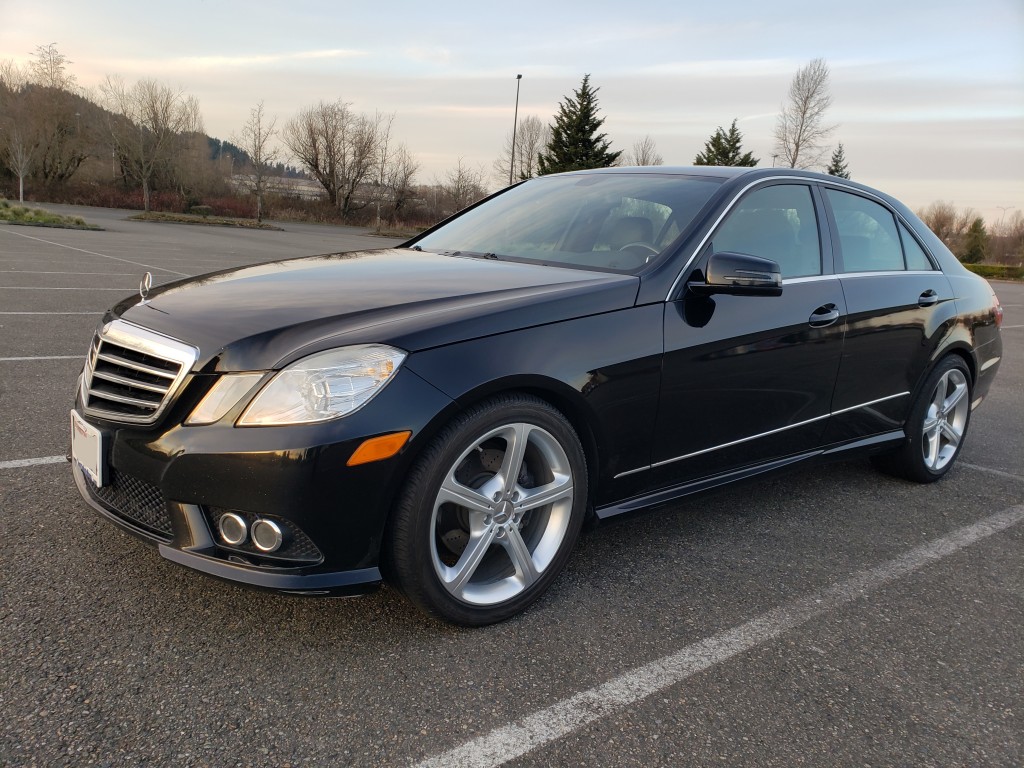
x=472 y=254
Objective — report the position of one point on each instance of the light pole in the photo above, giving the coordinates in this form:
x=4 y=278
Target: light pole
x=1004 y=209
x=515 y=120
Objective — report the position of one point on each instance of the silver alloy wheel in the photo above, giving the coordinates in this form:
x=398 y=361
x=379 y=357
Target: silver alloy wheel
x=493 y=535
x=945 y=420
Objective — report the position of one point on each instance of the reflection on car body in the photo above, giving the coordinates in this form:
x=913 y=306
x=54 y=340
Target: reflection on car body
x=446 y=414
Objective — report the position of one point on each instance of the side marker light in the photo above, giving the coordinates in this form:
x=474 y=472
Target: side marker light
x=378 y=448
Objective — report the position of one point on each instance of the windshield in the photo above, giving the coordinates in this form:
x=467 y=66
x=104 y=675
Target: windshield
x=615 y=221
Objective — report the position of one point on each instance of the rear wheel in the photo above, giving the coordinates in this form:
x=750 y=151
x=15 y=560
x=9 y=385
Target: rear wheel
x=490 y=513
x=936 y=427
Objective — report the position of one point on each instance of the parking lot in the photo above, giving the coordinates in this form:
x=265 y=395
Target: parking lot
x=832 y=616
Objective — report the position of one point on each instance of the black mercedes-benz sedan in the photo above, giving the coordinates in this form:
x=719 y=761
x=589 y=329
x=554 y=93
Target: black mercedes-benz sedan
x=446 y=414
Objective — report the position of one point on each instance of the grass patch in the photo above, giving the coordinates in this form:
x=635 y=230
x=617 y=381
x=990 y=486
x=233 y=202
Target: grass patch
x=213 y=221
x=997 y=271
x=13 y=213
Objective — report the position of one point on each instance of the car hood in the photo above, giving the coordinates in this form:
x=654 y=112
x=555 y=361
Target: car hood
x=267 y=315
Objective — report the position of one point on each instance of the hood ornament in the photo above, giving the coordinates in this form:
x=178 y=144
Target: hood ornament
x=145 y=286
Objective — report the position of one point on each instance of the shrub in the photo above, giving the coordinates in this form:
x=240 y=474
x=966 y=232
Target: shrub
x=997 y=271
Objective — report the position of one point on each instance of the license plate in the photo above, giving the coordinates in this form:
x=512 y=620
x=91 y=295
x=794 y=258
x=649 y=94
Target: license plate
x=87 y=449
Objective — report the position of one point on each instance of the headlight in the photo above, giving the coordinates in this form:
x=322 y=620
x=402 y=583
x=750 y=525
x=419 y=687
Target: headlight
x=324 y=386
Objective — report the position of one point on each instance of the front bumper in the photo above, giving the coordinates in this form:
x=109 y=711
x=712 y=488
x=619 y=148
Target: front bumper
x=169 y=483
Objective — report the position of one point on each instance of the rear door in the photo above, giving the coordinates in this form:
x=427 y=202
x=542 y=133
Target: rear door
x=899 y=307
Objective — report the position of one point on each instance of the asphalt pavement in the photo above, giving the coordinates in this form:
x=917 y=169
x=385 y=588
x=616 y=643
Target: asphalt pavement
x=832 y=616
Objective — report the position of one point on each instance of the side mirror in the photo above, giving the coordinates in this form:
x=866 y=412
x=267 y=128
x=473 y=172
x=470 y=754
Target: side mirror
x=739 y=274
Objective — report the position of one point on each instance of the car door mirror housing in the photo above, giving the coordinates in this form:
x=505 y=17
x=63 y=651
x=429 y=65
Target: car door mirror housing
x=739 y=274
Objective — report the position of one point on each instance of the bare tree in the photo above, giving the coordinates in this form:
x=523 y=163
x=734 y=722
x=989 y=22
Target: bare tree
x=948 y=224
x=16 y=146
x=461 y=186
x=338 y=147
x=43 y=103
x=148 y=122
x=401 y=172
x=13 y=76
x=18 y=157
x=49 y=68
x=532 y=136
x=801 y=131
x=255 y=139
x=644 y=152
x=383 y=158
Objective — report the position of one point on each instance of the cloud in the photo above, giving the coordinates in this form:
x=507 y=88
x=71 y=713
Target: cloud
x=222 y=62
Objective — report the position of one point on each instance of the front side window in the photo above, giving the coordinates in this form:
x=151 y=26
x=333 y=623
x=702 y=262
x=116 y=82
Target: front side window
x=777 y=223
x=867 y=234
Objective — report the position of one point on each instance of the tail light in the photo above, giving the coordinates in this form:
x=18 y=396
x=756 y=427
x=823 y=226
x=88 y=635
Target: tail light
x=997 y=310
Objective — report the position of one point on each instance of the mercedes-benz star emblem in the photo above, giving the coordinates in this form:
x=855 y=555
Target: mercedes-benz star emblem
x=146 y=286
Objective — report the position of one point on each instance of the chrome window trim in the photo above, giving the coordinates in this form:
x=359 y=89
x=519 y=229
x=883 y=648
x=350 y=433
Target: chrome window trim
x=657 y=464
x=899 y=219
x=807 y=279
x=148 y=342
x=809 y=183
x=878 y=273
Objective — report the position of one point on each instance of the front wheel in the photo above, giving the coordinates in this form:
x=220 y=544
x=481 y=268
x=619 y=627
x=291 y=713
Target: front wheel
x=490 y=512
x=936 y=427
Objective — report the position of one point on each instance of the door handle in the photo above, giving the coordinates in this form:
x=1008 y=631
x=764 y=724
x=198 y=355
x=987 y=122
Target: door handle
x=928 y=298
x=824 y=316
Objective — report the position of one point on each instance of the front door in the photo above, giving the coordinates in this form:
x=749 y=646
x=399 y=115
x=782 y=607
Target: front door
x=748 y=379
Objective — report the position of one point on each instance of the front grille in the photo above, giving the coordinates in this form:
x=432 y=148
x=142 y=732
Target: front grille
x=135 y=500
x=132 y=374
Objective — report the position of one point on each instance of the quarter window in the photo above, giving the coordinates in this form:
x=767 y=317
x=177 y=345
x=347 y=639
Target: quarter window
x=777 y=223
x=916 y=257
x=867 y=234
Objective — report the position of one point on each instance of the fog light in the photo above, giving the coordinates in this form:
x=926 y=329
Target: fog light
x=266 y=535
x=232 y=528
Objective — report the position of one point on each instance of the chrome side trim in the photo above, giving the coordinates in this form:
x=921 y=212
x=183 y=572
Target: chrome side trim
x=870 y=402
x=757 y=436
x=741 y=440
x=990 y=362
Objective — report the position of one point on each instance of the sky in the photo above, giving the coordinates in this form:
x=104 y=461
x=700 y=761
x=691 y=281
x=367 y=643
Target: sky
x=928 y=98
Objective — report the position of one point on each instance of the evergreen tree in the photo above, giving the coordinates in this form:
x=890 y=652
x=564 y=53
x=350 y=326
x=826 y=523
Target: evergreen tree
x=575 y=143
x=726 y=149
x=975 y=246
x=838 y=166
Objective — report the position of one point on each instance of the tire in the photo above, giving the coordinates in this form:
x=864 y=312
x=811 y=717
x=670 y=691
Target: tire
x=936 y=427
x=480 y=531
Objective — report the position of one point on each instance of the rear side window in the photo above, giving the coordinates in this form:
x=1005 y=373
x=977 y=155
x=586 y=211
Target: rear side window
x=777 y=223
x=916 y=257
x=867 y=234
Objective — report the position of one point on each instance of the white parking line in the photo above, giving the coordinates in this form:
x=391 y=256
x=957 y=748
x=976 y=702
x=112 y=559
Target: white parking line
x=43 y=288
x=41 y=357
x=98 y=312
x=33 y=462
x=40 y=272
x=1008 y=327
x=996 y=472
x=91 y=253
x=564 y=717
